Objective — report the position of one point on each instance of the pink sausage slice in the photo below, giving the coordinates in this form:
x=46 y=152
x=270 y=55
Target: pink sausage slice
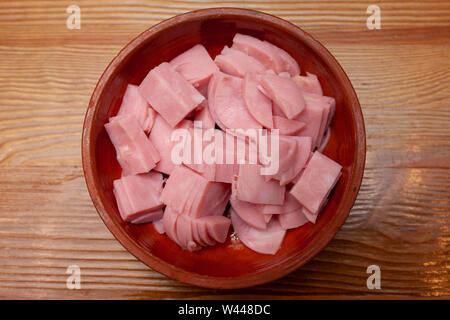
x=287 y=127
x=135 y=105
x=289 y=205
x=150 y=119
x=285 y=93
x=195 y=233
x=288 y=63
x=309 y=215
x=312 y=116
x=303 y=153
x=237 y=63
x=185 y=234
x=287 y=169
x=266 y=241
x=189 y=193
x=226 y=172
x=251 y=213
x=170 y=218
x=252 y=187
x=293 y=159
x=226 y=103
x=172 y=96
x=260 y=50
x=148 y=217
x=160 y=136
x=152 y=179
x=193 y=150
x=217 y=227
x=205 y=117
x=318 y=179
x=328 y=104
x=310 y=83
x=138 y=196
x=135 y=153
x=159 y=225
x=294 y=181
x=259 y=106
x=202 y=228
x=195 y=65
x=293 y=219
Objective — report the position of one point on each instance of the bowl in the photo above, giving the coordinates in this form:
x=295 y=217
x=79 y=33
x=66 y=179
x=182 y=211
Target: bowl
x=231 y=264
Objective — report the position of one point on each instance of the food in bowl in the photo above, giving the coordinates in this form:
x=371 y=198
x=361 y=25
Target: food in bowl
x=211 y=125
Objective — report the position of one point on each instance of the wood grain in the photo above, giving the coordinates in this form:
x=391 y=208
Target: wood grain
x=53 y=225
x=401 y=220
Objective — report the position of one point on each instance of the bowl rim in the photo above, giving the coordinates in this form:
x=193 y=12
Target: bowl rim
x=166 y=268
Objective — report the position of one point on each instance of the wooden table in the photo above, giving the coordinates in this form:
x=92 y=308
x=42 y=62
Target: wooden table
x=401 y=219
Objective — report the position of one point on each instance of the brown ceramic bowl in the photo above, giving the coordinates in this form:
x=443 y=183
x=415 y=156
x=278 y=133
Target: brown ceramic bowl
x=228 y=265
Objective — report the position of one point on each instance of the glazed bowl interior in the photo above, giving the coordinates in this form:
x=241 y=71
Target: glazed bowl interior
x=231 y=264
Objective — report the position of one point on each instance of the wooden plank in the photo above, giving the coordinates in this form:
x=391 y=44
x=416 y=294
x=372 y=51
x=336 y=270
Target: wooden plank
x=334 y=21
x=395 y=13
x=43 y=104
x=47 y=223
